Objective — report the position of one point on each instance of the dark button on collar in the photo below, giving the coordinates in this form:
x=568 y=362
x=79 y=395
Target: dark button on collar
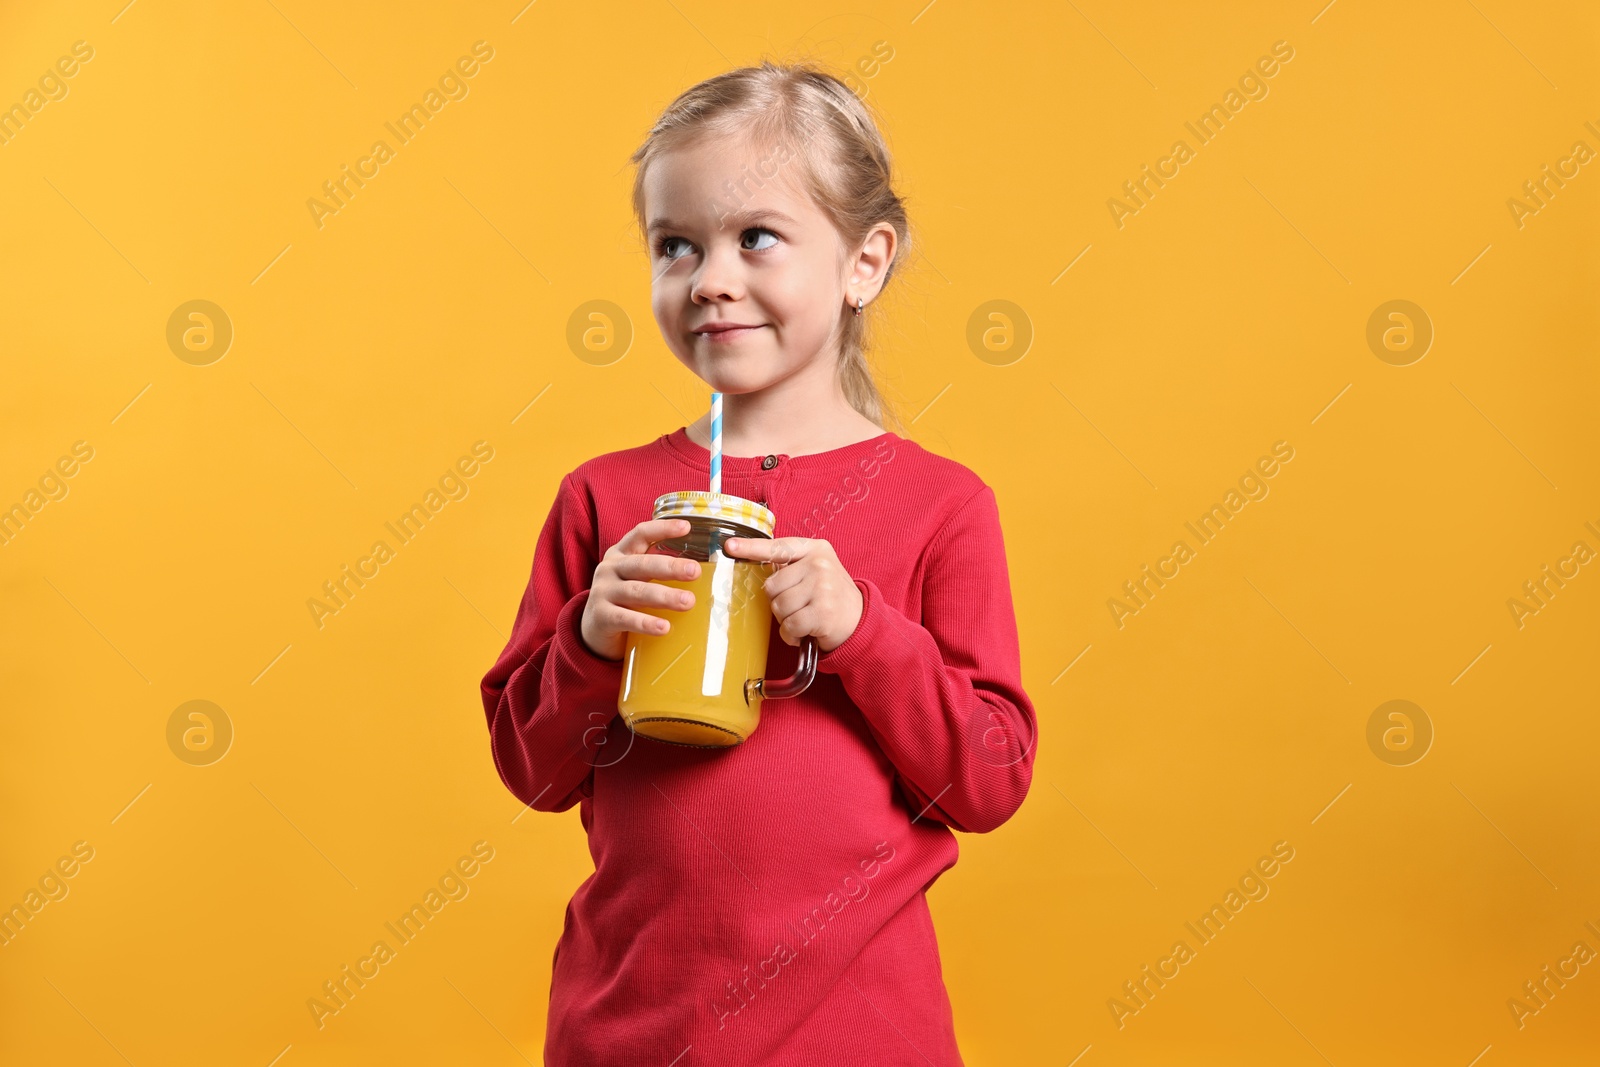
x=769 y=462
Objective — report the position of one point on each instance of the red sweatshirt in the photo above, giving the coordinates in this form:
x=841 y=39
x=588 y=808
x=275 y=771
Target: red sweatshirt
x=764 y=905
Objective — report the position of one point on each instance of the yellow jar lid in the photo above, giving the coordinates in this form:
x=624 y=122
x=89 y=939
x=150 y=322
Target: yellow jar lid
x=696 y=503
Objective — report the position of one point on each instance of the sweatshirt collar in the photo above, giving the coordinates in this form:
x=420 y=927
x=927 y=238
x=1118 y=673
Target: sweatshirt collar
x=698 y=456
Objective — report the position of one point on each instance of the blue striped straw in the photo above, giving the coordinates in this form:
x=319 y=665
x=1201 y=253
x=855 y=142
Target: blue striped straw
x=716 y=443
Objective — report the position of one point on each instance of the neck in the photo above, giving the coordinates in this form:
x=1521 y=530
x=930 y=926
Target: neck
x=804 y=413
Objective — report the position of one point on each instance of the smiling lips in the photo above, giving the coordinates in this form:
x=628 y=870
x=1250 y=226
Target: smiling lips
x=725 y=332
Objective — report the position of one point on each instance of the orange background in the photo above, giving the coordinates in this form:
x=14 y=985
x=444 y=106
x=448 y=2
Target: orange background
x=1230 y=312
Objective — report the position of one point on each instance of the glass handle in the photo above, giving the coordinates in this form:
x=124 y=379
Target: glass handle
x=792 y=686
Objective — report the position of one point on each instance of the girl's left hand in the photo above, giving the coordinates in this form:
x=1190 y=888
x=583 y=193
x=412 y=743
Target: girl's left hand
x=811 y=593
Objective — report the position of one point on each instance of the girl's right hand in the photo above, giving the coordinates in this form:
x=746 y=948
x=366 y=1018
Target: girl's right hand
x=622 y=584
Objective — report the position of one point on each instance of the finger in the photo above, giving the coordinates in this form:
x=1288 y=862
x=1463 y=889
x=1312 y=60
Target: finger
x=798 y=625
x=787 y=580
x=651 y=595
x=787 y=603
x=655 y=565
x=622 y=620
x=780 y=550
x=641 y=537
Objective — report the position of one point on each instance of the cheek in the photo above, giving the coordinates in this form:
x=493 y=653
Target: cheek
x=798 y=299
x=670 y=306
x=666 y=303
x=807 y=324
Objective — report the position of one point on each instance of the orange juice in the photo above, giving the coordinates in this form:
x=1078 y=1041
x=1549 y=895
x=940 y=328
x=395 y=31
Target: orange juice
x=688 y=685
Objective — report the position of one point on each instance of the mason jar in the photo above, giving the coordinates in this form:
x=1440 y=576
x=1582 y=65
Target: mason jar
x=702 y=682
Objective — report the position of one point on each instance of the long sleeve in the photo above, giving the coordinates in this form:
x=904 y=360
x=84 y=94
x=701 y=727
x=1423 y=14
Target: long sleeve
x=548 y=697
x=944 y=698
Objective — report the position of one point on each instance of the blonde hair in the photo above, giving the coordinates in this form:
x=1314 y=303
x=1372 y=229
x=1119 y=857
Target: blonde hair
x=842 y=162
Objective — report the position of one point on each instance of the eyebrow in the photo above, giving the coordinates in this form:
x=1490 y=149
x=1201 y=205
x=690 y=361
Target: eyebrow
x=738 y=219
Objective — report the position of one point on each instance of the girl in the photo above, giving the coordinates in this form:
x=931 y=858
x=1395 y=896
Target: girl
x=764 y=904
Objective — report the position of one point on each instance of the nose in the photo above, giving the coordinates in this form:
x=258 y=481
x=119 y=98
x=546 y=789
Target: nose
x=721 y=276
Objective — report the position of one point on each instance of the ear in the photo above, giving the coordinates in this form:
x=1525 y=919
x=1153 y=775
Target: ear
x=869 y=267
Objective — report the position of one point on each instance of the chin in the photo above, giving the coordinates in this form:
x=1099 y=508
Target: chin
x=734 y=373
x=733 y=384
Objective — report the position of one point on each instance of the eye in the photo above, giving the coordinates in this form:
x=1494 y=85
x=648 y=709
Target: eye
x=763 y=239
x=745 y=237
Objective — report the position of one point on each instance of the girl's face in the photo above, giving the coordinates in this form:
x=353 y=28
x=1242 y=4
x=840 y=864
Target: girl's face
x=730 y=247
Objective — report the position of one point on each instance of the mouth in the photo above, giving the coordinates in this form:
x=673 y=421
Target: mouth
x=724 y=333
